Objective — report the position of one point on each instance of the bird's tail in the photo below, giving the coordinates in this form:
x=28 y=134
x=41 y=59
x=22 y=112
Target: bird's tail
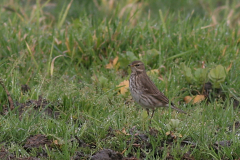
x=179 y=110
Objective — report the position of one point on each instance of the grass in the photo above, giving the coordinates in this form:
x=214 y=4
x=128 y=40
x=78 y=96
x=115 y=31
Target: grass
x=78 y=86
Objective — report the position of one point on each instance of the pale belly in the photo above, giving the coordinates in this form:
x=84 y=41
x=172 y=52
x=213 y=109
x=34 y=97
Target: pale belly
x=141 y=99
x=147 y=103
x=144 y=103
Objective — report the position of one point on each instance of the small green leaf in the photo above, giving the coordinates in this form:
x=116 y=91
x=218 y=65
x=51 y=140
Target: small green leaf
x=200 y=75
x=103 y=80
x=217 y=75
x=126 y=58
x=174 y=123
x=168 y=127
x=187 y=73
x=153 y=52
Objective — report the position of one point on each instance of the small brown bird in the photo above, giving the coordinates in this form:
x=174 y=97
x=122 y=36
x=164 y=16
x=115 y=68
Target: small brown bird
x=144 y=91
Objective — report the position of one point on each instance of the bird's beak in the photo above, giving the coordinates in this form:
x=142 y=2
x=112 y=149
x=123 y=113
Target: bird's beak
x=130 y=65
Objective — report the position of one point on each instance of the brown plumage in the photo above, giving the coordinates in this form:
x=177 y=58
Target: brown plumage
x=144 y=91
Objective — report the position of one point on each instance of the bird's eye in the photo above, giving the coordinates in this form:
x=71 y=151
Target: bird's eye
x=137 y=65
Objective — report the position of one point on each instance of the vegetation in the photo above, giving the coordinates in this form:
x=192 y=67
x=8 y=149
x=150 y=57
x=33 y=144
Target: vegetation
x=64 y=63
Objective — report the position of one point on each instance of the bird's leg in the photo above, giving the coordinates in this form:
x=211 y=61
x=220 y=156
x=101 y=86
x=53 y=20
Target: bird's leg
x=147 y=111
x=148 y=114
x=152 y=116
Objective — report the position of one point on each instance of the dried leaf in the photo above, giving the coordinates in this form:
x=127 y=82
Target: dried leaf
x=57 y=41
x=195 y=99
x=178 y=135
x=168 y=133
x=124 y=131
x=174 y=135
x=115 y=60
x=224 y=51
x=161 y=78
x=111 y=64
x=198 y=98
x=52 y=64
x=188 y=99
x=124 y=85
x=58 y=143
x=203 y=65
x=55 y=142
x=229 y=67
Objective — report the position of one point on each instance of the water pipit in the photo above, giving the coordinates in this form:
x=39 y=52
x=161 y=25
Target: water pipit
x=144 y=91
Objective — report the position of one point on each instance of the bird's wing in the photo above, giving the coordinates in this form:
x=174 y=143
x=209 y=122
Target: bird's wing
x=148 y=87
x=161 y=97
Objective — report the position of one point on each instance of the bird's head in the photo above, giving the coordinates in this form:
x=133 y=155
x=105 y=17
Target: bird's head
x=137 y=67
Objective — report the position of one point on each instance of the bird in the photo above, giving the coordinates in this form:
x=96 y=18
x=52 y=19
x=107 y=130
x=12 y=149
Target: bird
x=144 y=91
